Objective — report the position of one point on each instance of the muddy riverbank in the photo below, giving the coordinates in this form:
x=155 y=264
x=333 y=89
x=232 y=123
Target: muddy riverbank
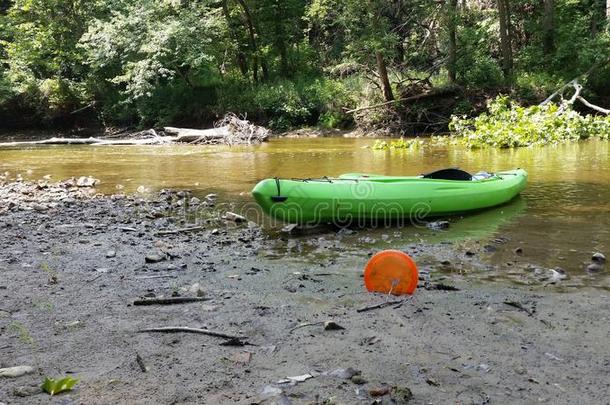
x=72 y=267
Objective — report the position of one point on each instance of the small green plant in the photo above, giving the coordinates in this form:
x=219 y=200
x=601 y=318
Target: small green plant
x=53 y=279
x=21 y=331
x=52 y=386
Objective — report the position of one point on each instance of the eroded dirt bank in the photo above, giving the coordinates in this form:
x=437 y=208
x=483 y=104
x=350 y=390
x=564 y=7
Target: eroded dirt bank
x=72 y=267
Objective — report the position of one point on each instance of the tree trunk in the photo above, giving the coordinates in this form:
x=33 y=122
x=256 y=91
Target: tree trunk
x=505 y=38
x=241 y=57
x=252 y=36
x=383 y=75
x=452 y=25
x=548 y=35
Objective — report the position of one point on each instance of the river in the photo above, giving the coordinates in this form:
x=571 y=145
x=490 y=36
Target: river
x=561 y=218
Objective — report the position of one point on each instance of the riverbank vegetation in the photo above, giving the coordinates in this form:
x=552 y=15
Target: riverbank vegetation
x=402 y=66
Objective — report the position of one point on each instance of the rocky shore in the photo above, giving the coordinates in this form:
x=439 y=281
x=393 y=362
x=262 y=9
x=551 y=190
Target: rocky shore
x=86 y=279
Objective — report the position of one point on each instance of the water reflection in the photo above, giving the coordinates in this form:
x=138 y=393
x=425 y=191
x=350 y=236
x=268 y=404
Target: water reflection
x=562 y=217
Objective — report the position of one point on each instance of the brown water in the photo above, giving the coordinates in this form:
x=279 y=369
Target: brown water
x=561 y=219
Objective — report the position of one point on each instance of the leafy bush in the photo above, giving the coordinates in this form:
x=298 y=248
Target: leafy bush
x=508 y=125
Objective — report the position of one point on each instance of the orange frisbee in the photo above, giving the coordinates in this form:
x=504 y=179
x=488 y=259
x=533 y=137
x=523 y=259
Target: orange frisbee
x=391 y=272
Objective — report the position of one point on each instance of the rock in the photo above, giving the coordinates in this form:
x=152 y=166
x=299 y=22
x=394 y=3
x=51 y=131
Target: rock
x=211 y=197
x=401 y=394
x=27 y=391
x=231 y=216
x=155 y=258
x=17 y=371
x=437 y=225
x=598 y=257
x=332 y=325
x=86 y=181
x=270 y=391
x=344 y=373
x=518 y=251
x=379 y=391
x=358 y=379
x=194 y=201
x=594 y=268
x=241 y=357
x=197 y=290
x=110 y=254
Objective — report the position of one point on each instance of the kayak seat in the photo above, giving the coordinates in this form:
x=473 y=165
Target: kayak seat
x=448 y=174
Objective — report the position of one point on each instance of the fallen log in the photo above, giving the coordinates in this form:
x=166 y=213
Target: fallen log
x=178 y=329
x=231 y=130
x=169 y=301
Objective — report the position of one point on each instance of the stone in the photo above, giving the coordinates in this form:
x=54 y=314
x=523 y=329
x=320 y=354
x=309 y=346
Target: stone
x=358 y=379
x=438 y=225
x=594 y=268
x=110 y=254
x=154 y=258
x=598 y=257
x=17 y=371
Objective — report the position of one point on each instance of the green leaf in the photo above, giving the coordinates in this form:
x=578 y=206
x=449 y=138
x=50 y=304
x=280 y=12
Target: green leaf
x=52 y=386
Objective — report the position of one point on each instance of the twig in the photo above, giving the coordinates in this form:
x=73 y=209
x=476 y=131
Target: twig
x=175 y=231
x=159 y=276
x=382 y=305
x=140 y=362
x=185 y=329
x=304 y=325
x=169 y=301
x=95 y=278
x=519 y=306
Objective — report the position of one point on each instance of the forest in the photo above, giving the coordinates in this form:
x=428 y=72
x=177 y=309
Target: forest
x=401 y=66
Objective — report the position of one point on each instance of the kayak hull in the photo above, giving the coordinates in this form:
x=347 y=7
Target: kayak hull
x=354 y=196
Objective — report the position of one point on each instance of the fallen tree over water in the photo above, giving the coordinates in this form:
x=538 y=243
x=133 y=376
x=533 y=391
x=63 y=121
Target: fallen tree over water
x=231 y=130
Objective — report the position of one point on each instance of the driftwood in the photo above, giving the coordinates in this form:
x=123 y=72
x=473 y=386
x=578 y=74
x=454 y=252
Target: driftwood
x=231 y=130
x=179 y=329
x=181 y=230
x=169 y=301
x=382 y=305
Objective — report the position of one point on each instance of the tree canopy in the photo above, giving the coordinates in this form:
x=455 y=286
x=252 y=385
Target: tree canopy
x=288 y=62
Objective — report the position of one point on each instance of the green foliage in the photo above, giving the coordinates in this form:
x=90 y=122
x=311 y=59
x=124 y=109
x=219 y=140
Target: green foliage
x=508 y=125
x=397 y=144
x=288 y=103
x=54 y=386
x=285 y=63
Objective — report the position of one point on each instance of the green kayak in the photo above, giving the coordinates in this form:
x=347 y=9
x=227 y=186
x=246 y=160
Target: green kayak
x=355 y=196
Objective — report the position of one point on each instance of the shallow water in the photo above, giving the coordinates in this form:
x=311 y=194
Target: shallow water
x=562 y=217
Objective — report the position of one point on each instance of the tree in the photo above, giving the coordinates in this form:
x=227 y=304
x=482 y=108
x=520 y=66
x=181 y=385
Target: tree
x=452 y=28
x=548 y=36
x=505 y=37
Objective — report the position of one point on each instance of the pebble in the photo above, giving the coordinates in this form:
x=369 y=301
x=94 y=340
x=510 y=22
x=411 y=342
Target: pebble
x=26 y=391
x=518 y=251
x=344 y=373
x=598 y=257
x=358 y=379
x=154 y=258
x=110 y=254
x=437 y=225
x=17 y=371
x=594 y=268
